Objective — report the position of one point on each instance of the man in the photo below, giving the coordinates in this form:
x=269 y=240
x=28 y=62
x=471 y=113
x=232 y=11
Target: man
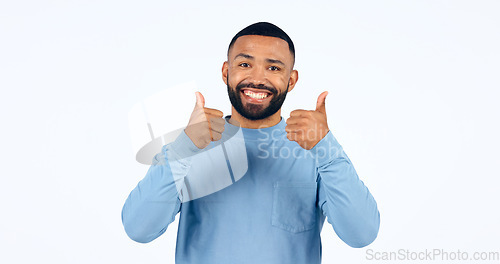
x=275 y=212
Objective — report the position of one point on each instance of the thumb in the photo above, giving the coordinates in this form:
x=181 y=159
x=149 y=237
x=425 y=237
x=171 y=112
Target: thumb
x=200 y=100
x=320 y=105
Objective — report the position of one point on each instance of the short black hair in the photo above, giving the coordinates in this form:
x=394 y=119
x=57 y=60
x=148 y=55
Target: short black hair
x=264 y=29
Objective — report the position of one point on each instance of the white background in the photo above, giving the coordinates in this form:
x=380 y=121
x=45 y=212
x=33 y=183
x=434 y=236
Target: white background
x=414 y=90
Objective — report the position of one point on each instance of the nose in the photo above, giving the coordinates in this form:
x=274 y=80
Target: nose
x=258 y=76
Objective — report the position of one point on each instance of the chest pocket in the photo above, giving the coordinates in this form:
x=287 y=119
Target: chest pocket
x=294 y=206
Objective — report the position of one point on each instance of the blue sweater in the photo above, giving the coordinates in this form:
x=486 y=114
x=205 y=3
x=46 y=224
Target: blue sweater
x=273 y=214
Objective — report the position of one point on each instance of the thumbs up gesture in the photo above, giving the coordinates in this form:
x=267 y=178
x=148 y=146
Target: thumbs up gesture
x=306 y=127
x=205 y=124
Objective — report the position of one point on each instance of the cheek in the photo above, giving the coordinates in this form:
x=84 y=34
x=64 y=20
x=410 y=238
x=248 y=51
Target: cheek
x=235 y=78
x=280 y=83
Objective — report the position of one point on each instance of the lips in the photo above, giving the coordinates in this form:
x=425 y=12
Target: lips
x=256 y=90
x=255 y=95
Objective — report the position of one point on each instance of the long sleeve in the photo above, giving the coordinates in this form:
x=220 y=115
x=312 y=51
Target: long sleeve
x=343 y=198
x=154 y=202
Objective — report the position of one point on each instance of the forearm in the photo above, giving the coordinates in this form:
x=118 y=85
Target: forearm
x=152 y=205
x=155 y=201
x=344 y=199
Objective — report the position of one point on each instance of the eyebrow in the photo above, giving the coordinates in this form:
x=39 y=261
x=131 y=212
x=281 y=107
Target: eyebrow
x=246 y=56
x=275 y=61
x=250 y=57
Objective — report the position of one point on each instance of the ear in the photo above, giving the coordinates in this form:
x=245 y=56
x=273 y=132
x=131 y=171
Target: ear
x=225 y=67
x=294 y=77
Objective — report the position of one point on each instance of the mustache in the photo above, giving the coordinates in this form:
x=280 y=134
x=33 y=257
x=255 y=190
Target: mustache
x=260 y=86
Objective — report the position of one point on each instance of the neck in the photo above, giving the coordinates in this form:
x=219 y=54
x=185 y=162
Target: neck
x=239 y=120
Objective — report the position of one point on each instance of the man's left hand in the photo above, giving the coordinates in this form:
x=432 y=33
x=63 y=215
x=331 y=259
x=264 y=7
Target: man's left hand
x=307 y=127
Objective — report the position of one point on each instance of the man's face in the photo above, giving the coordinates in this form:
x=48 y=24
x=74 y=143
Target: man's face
x=258 y=75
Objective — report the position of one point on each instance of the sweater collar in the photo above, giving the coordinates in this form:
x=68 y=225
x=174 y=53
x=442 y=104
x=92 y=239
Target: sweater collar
x=258 y=133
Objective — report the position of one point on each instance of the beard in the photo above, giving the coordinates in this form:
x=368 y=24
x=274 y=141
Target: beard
x=255 y=111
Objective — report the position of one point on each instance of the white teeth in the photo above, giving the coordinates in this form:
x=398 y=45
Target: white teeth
x=255 y=95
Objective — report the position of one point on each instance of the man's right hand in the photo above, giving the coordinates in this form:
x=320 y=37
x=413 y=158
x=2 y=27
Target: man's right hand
x=205 y=124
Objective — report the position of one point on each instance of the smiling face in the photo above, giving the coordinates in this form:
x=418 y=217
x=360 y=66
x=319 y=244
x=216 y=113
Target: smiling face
x=259 y=73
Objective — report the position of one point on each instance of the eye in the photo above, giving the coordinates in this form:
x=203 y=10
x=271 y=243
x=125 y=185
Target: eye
x=274 y=68
x=244 y=64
